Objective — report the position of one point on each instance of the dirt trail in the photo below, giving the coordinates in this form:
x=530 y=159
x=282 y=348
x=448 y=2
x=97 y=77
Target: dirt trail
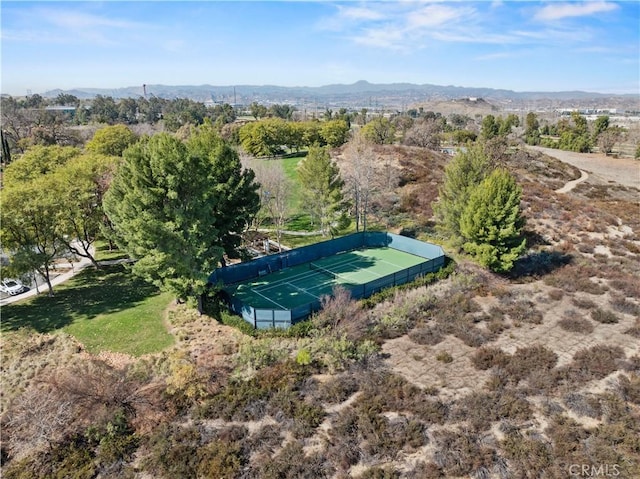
x=624 y=171
x=584 y=176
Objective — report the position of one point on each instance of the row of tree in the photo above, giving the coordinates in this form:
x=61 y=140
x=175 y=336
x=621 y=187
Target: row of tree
x=271 y=136
x=177 y=207
x=573 y=133
x=51 y=206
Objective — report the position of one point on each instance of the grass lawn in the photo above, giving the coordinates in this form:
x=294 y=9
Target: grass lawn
x=103 y=253
x=106 y=310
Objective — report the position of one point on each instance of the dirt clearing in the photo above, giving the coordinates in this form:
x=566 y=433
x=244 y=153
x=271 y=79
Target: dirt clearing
x=621 y=170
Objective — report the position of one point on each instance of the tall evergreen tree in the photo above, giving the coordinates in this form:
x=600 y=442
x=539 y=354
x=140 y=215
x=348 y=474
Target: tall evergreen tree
x=178 y=208
x=321 y=188
x=491 y=222
x=461 y=176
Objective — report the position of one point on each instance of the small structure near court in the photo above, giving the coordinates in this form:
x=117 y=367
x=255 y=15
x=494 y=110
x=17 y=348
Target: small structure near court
x=282 y=289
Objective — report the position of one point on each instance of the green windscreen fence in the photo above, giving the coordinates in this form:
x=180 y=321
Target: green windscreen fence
x=283 y=301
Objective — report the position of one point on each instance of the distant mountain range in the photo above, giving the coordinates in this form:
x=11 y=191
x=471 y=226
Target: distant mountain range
x=361 y=93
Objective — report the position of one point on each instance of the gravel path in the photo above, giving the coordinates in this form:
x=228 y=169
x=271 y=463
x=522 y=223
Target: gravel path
x=624 y=171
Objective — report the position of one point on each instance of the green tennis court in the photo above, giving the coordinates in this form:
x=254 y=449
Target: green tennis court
x=306 y=283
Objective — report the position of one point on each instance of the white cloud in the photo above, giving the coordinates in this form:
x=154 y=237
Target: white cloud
x=558 y=11
x=495 y=56
x=82 y=21
x=436 y=15
x=360 y=13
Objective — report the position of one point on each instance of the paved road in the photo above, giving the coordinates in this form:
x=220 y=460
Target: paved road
x=620 y=170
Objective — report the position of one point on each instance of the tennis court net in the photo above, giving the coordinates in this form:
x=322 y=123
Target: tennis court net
x=320 y=269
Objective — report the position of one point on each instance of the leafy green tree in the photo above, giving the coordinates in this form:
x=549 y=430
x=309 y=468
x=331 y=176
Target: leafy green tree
x=38 y=161
x=29 y=227
x=79 y=187
x=532 y=129
x=235 y=188
x=282 y=111
x=128 y=111
x=179 y=207
x=506 y=124
x=264 y=137
x=380 y=131
x=104 y=110
x=112 y=140
x=312 y=134
x=490 y=127
x=491 y=222
x=183 y=111
x=257 y=110
x=461 y=176
x=66 y=99
x=321 y=188
x=600 y=125
x=335 y=132
x=462 y=137
x=222 y=114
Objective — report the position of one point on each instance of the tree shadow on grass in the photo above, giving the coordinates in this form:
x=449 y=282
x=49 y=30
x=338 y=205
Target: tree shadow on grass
x=89 y=294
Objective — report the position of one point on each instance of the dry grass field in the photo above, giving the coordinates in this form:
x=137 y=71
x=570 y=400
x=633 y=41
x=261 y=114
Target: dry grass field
x=531 y=375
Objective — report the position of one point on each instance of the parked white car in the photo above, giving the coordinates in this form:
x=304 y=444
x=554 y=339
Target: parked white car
x=11 y=286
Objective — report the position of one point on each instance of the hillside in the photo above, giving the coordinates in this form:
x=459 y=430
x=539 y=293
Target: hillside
x=475 y=375
x=361 y=94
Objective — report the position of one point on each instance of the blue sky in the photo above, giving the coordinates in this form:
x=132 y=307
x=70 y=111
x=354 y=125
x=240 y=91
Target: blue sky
x=523 y=46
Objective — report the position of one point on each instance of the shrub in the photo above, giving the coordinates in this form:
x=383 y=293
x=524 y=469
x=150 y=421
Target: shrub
x=556 y=294
x=529 y=359
x=426 y=470
x=583 y=303
x=427 y=335
x=583 y=405
x=634 y=330
x=463 y=453
x=528 y=456
x=378 y=472
x=481 y=409
x=265 y=440
x=470 y=335
x=623 y=305
x=255 y=354
x=488 y=357
x=173 y=451
x=337 y=389
x=220 y=459
x=629 y=387
x=572 y=322
x=292 y=463
x=337 y=309
x=596 y=362
x=522 y=311
x=604 y=317
x=444 y=356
